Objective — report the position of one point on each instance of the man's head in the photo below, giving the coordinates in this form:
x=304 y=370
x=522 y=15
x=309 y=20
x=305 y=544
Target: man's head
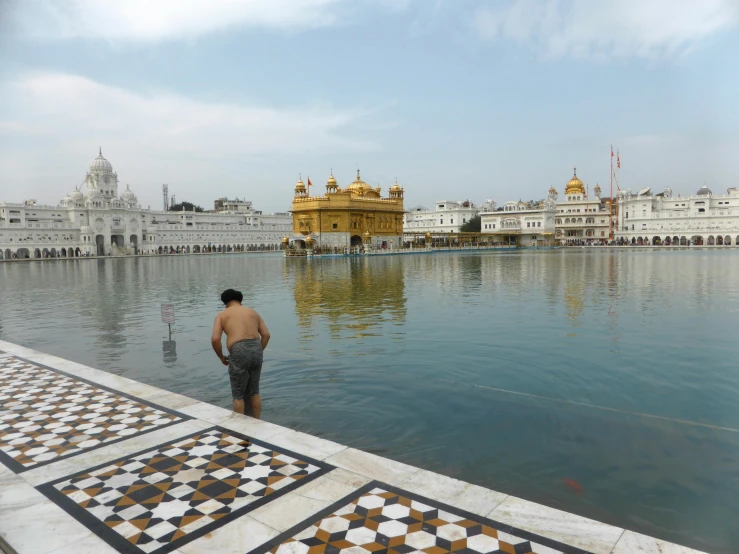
x=229 y=295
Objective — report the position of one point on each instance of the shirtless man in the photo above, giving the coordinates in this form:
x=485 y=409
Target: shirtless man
x=246 y=338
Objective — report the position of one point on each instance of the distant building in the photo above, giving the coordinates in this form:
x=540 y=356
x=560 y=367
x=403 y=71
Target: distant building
x=522 y=224
x=580 y=219
x=355 y=215
x=99 y=221
x=448 y=216
x=662 y=219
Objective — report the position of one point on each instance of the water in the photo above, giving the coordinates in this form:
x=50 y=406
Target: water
x=389 y=355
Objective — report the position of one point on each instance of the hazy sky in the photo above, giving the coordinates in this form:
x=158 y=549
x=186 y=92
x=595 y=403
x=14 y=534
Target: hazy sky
x=457 y=99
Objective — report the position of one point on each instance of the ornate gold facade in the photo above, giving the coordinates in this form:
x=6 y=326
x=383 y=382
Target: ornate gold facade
x=346 y=217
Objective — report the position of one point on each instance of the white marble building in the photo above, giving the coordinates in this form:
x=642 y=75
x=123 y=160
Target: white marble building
x=97 y=221
x=448 y=216
x=520 y=224
x=580 y=219
x=663 y=219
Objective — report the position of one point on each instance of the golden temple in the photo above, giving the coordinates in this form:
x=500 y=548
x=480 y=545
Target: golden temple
x=352 y=216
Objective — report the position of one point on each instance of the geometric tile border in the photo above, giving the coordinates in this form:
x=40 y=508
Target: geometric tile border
x=381 y=519
x=48 y=415
x=155 y=501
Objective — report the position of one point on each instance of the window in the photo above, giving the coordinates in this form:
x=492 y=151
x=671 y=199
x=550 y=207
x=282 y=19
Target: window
x=539 y=224
x=493 y=225
x=602 y=234
x=464 y=220
x=528 y=224
x=441 y=221
x=335 y=226
x=451 y=221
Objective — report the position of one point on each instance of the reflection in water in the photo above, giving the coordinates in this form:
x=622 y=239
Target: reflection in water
x=355 y=296
x=169 y=351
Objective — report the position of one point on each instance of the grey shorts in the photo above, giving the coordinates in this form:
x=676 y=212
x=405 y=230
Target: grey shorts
x=245 y=368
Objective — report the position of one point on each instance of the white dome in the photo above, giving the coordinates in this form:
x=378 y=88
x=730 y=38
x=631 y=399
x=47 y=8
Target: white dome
x=76 y=195
x=704 y=191
x=101 y=165
x=128 y=195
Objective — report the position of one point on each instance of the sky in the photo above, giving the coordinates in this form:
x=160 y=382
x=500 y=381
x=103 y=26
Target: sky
x=456 y=99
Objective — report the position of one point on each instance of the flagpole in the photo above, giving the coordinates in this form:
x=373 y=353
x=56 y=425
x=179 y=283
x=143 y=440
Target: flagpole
x=610 y=215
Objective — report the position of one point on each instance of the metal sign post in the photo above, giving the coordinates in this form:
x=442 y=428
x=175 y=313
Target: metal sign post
x=168 y=317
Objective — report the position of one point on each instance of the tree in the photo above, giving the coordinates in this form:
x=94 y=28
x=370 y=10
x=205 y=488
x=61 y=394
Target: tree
x=187 y=206
x=474 y=225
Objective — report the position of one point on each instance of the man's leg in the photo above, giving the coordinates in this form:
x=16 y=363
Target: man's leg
x=239 y=405
x=256 y=406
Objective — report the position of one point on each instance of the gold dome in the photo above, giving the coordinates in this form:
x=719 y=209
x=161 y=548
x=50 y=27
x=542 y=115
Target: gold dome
x=575 y=185
x=331 y=181
x=552 y=190
x=359 y=186
x=300 y=186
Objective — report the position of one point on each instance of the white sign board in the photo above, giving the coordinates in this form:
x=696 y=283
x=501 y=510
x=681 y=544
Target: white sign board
x=167 y=313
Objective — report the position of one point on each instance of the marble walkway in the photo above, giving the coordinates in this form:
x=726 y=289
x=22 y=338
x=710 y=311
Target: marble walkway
x=91 y=462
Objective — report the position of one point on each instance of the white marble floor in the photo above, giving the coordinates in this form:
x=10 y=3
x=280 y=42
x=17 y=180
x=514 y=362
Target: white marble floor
x=446 y=510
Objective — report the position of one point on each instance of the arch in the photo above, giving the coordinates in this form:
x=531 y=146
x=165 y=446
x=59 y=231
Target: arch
x=8 y=254
x=711 y=240
x=640 y=241
x=676 y=241
x=656 y=241
x=696 y=240
x=188 y=249
x=683 y=241
x=196 y=249
x=727 y=240
x=100 y=245
x=242 y=247
x=133 y=240
x=24 y=253
x=633 y=240
x=356 y=240
x=77 y=252
x=64 y=252
x=667 y=241
x=45 y=253
x=719 y=240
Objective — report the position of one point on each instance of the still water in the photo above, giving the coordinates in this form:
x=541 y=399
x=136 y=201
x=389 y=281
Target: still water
x=393 y=355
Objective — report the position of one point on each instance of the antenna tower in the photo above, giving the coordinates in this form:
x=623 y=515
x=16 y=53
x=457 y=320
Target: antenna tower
x=165 y=197
x=172 y=202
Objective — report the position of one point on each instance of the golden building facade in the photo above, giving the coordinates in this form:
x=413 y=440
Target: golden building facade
x=355 y=215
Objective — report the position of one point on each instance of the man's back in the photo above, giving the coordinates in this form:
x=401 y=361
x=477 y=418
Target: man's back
x=240 y=323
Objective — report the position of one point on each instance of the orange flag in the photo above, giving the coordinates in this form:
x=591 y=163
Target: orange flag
x=309 y=183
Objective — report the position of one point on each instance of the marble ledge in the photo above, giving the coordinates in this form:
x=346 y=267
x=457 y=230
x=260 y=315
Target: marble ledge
x=91 y=544
x=354 y=480
x=288 y=510
x=373 y=466
x=325 y=489
x=590 y=535
x=17 y=494
x=239 y=536
x=255 y=428
x=466 y=496
x=302 y=443
x=634 y=543
x=20 y=529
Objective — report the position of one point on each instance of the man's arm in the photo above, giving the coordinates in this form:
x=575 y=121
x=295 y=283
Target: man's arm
x=215 y=340
x=263 y=332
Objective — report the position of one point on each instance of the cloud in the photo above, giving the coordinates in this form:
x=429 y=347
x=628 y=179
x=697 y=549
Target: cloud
x=166 y=136
x=604 y=30
x=147 y=20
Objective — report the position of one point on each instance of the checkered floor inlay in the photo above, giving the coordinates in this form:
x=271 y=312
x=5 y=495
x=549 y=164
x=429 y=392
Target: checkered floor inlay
x=379 y=519
x=159 y=499
x=46 y=414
